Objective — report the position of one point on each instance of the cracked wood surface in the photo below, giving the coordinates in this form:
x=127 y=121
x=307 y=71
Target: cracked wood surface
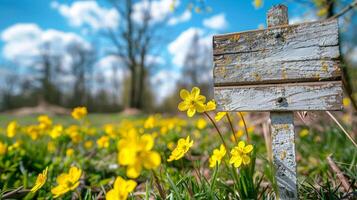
x=295 y=53
x=280 y=97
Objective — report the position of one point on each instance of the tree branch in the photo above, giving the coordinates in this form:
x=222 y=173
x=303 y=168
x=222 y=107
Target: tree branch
x=345 y=10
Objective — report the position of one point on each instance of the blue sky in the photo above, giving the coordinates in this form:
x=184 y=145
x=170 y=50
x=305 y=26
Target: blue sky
x=44 y=15
x=240 y=14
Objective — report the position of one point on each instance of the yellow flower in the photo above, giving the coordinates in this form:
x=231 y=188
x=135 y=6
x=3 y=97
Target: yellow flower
x=219 y=116
x=15 y=145
x=33 y=131
x=79 y=112
x=322 y=11
x=51 y=146
x=183 y=145
x=103 y=142
x=304 y=132
x=3 y=148
x=164 y=130
x=121 y=189
x=239 y=154
x=217 y=156
x=11 y=129
x=110 y=130
x=45 y=122
x=40 y=181
x=346 y=102
x=241 y=124
x=211 y=105
x=67 y=182
x=192 y=102
x=257 y=3
x=56 y=131
x=69 y=152
x=136 y=152
x=149 y=122
x=88 y=144
x=201 y=123
x=238 y=134
x=171 y=146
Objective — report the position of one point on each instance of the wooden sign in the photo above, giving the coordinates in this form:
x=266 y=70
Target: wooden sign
x=282 y=68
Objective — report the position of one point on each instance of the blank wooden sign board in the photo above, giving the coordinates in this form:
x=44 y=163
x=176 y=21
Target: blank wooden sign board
x=281 y=69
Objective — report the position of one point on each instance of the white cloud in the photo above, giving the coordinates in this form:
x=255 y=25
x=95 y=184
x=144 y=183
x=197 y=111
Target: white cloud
x=301 y=19
x=184 y=17
x=23 y=43
x=164 y=83
x=216 y=22
x=158 y=9
x=88 y=14
x=154 y=60
x=106 y=65
x=181 y=45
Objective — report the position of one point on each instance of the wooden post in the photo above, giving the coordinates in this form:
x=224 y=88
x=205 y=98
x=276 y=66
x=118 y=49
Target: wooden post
x=282 y=128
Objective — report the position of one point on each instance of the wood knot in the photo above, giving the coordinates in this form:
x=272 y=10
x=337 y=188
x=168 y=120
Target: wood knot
x=281 y=101
x=277 y=35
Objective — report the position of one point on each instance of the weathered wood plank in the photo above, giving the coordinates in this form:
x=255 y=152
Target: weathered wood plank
x=296 y=53
x=260 y=72
x=283 y=146
x=286 y=37
x=280 y=97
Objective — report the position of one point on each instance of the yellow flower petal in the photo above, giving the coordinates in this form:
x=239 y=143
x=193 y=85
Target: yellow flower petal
x=130 y=185
x=246 y=159
x=152 y=160
x=200 y=107
x=191 y=112
x=134 y=171
x=219 y=116
x=201 y=99
x=238 y=162
x=147 y=142
x=195 y=92
x=211 y=105
x=183 y=106
x=241 y=145
x=184 y=94
x=248 y=148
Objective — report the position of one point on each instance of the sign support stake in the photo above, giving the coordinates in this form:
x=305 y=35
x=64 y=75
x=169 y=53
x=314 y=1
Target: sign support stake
x=282 y=129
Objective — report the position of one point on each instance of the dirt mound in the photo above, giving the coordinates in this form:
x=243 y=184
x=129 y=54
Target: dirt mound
x=42 y=108
x=131 y=111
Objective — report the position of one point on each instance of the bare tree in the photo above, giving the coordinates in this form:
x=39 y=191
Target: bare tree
x=81 y=67
x=197 y=67
x=133 y=42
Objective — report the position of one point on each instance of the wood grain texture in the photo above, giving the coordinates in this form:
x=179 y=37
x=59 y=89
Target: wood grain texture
x=236 y=73
x=320 y=34
x=280 y=97
x=296 y=53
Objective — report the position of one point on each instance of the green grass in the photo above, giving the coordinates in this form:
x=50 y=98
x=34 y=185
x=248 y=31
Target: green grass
x=96 y=119
x=178 y=179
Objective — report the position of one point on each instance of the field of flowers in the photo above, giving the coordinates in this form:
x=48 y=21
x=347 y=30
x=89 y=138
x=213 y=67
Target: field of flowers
x=199 y=155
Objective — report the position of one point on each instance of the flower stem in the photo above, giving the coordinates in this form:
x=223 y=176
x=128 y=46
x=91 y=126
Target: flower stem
x=231 y=125
x=245 y=126
x=219 y=132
